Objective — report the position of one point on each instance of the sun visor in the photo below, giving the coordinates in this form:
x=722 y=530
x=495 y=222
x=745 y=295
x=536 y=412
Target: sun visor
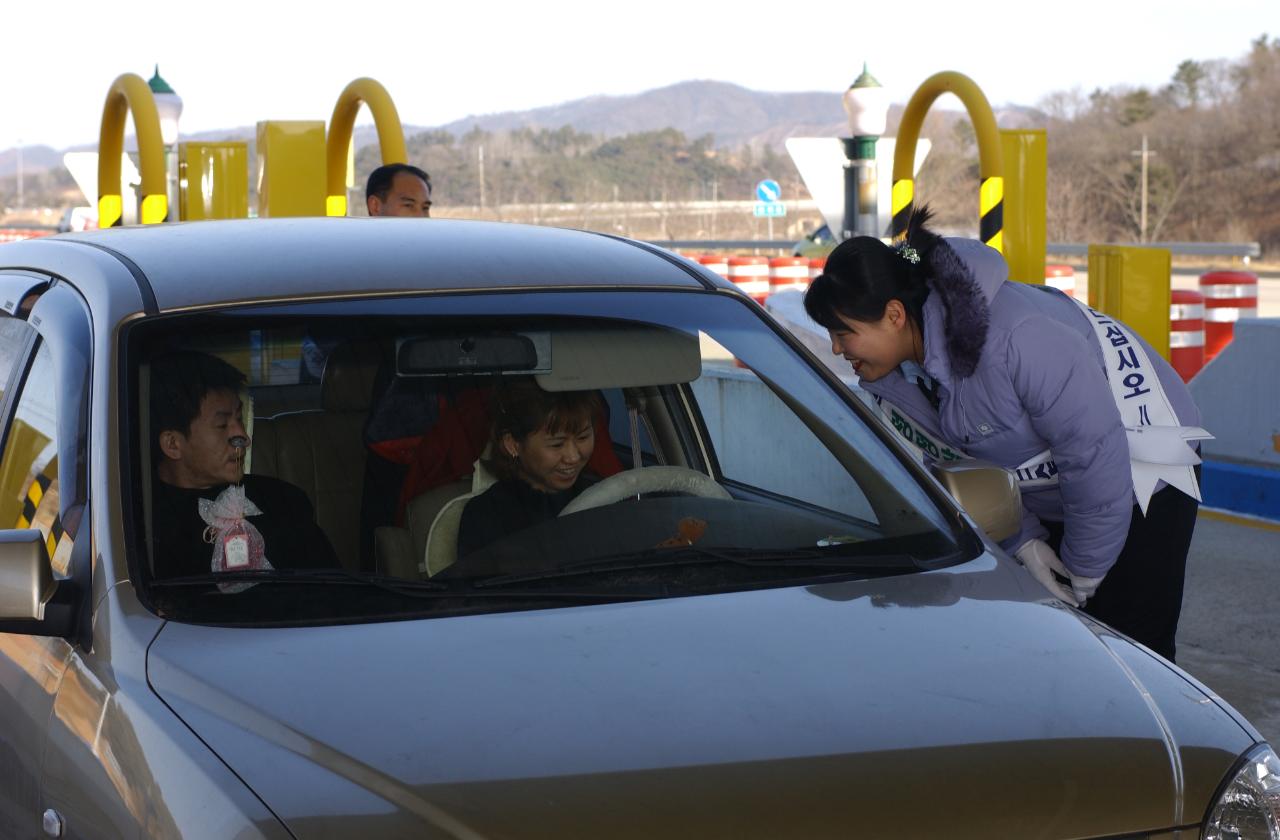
x=623 y=357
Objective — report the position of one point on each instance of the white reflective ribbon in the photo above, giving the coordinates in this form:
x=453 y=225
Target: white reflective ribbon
x=1186 y=311
x=1226 y=314
x=1037 y=471
x=1159 y=448
x=1228 y=290
x=1186 y=338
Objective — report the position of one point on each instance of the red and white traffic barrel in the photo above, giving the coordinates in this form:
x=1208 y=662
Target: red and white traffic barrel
x=751 y=275
x=1228 y=297
x=716 y=262
x=817 y=265
x=1186 y=333
x=786 y=273
x=1061 y=277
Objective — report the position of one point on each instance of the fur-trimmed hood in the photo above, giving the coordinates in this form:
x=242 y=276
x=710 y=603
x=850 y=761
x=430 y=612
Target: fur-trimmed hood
x=965 y=276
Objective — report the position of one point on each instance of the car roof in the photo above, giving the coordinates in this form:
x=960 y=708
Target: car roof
x=197 y=264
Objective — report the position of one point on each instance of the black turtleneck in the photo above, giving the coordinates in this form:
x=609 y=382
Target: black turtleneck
x=508 y=506
x=288 y=526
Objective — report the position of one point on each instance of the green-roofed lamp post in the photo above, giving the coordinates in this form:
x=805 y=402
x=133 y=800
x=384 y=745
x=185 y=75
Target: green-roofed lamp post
x=169 y=109
x=867 y=105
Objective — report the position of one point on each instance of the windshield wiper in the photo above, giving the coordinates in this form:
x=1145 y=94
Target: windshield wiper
x=654 y=558
x=398 y=586
x=307 y=576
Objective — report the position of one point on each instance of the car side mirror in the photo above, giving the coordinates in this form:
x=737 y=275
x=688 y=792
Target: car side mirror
x=988 y=493
x=26 y=576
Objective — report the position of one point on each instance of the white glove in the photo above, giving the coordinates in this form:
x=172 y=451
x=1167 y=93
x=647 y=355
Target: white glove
x=1084 y=588
x=1042 y=562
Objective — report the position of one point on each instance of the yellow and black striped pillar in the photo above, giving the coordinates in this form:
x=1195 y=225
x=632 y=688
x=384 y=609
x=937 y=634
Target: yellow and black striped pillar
x=31 y=506
x=901 y=202
x=991 y=212
x=990 y=166
x=130 y=95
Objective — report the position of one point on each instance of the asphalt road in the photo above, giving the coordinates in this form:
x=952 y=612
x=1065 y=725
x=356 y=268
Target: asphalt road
x=1228 y=637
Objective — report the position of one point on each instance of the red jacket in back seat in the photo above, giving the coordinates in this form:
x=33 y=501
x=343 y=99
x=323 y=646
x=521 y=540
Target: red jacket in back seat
x=449 y=449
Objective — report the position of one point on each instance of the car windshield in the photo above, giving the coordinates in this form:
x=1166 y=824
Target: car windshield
x=378 y=459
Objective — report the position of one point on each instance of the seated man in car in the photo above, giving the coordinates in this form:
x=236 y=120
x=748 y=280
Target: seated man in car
x=198 y=442
x=540 y=447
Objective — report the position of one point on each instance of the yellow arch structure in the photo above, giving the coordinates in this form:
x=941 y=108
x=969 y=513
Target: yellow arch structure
x=129 y=93
x=390 y=137
x=990 y=166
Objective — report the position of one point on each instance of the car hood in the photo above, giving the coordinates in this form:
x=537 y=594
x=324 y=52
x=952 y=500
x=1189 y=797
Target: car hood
x=953 y=703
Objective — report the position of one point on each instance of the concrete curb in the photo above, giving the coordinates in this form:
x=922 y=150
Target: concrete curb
x=1242 y=489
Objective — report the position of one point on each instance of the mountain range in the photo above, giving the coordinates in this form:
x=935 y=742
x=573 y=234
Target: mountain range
x=734 y=115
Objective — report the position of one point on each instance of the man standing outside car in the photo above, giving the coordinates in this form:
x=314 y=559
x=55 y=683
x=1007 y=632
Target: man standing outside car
x=398 y=189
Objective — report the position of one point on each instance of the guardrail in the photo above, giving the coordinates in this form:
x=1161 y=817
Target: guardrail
x=727 y=244
x=16 y=233
x=1240 y=250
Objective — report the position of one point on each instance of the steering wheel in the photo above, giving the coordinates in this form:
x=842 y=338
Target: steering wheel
x=636 y=482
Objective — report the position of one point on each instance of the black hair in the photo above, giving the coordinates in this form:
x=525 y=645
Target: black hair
x=179 y=383
x=863 y=274
x=520 y=408
x=380 y=179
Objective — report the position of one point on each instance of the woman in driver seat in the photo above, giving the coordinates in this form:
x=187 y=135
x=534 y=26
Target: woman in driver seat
x=539 y=449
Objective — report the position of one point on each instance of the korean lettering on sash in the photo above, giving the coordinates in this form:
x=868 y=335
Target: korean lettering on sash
x=1125 y=359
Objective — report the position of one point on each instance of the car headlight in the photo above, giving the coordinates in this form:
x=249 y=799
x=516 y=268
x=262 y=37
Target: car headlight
x=1249 y=805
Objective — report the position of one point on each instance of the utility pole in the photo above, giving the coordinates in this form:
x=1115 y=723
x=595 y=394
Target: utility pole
x=1144 y=153
x=20 y=186
x=480 y=156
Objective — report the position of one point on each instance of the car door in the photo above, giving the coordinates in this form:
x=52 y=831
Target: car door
x=31 y=666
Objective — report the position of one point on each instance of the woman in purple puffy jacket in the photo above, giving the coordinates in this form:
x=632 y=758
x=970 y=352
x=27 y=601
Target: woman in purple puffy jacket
x=1027 y=378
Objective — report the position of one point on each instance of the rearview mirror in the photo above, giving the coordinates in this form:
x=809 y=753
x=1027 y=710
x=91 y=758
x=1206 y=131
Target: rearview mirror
x=989 y=494
x=458 y=354
x=26 y=578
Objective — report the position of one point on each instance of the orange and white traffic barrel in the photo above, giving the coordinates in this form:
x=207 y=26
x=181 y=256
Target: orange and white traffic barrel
x=1186 y=333
x=817 y=265
x=786 y=273
x=751 y=275
x=1061 y=277
x=1228 y=297
x=716 y=262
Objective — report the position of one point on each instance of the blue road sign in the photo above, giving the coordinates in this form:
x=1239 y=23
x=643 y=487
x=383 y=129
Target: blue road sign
x=768 y=190
x=770 y=209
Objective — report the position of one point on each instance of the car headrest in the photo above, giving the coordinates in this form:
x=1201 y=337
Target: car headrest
x=349 y=372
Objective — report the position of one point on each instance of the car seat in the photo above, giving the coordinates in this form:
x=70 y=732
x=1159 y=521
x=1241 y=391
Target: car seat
x=323 y=452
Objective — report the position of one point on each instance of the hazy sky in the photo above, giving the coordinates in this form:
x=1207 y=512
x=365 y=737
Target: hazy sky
x=236 y=62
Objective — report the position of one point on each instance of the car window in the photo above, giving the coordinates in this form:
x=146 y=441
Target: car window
x=401 y=492
x=29 y=467
x=14 y=334
x=744 y=419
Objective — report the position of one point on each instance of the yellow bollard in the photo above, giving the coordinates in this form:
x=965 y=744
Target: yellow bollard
x=130 y=94
x=290 y=168
x=991 y=192
x=213 y=181
x=338 y=144
x=1024 y=154
x=1133 y=284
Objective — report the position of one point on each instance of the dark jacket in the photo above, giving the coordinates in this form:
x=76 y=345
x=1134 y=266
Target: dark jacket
x=509 y=506
x=288 y=526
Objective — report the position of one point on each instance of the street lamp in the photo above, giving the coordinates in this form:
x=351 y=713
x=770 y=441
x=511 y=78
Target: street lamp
x=169 y=109
x=867 y=105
